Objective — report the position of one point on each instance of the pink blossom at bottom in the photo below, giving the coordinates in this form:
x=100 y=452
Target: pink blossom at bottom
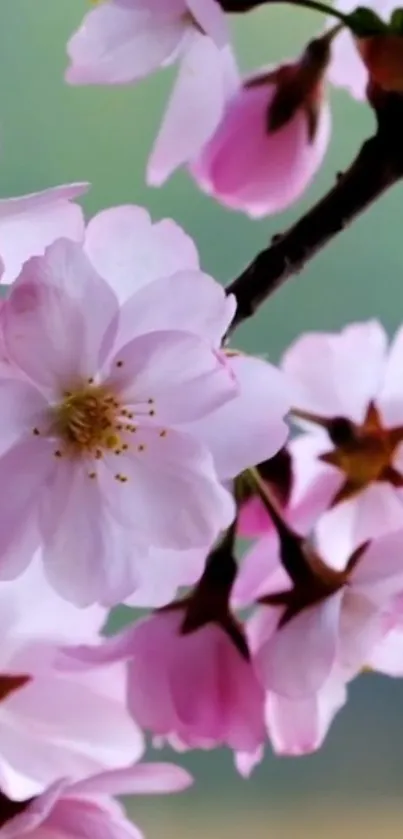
x=85 y=810
x=194 y=688
x=249 y=167
x=55 y=723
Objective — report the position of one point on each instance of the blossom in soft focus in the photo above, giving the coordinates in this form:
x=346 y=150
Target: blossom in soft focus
x=347 y=389
x=271 y=140
x=295 y=725
x=347 y=68
x=107 y=472
x=29 y=223
x=86 y=810
x=195 y=687
x=121 y=42
x=326 y=621
x=299 y=726
x=54 y=723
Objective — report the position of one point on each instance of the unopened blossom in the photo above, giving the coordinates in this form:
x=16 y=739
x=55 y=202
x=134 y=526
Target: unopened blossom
x=96 y=463
x=195 y=687
x=271 y=139
x=54 y=723
x=349 y=399
x=86 y=810
x=318 y=620
x=122 y=42
x=29 y=223
x=348 y=68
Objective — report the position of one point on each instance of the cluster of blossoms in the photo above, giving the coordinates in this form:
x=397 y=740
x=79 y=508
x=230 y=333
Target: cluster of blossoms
x=237 y=136
x=139 y=450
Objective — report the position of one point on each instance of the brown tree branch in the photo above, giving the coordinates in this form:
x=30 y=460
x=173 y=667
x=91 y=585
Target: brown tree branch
x=377 y=167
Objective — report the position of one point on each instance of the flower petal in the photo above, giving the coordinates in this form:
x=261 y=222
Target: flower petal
x=194 y=110
x=176 y=373
x=119 y=43
x=142 y=779
x=172 y=497
x=187 y=300
x=298 y=658
x=129 y=251
x=251 y=427
x=337 y=374
x=30 y=223
x=88 y=556
x=24 y=470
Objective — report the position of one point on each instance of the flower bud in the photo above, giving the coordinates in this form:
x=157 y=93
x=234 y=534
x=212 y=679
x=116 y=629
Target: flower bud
x=272 y=138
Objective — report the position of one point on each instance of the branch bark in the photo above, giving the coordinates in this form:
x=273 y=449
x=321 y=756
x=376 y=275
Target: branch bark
x=377 y=167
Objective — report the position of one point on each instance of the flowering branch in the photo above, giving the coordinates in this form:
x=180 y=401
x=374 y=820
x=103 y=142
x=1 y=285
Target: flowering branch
x=377 y=167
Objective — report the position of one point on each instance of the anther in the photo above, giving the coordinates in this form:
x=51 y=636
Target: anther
x=92 y=475
x=119 y=363
x=141 y=447
x=163 y=433
x=36 y=432
x=57 y=453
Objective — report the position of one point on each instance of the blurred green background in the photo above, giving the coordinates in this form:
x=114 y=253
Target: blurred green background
x=50 y=134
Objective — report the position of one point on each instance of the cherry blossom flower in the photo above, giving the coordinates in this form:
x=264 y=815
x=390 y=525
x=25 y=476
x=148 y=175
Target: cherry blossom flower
x=348 y=387
x=30 y=223
x=278 y=122
x=85 y=810
x=194 y=688
x=54 y=723
x=92 y=449
x=121 y=41
x=122 y=240
x=295 y=725
x=326 y=618
x=347 y=68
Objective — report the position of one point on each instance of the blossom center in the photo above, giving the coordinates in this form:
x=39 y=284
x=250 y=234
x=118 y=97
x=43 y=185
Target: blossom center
x=364 y=453
x=87 y=420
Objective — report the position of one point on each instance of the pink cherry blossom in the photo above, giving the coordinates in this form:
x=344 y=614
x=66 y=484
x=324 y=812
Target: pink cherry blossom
x=85 y=810
x=196 y=688
x=347 y=68
x=54 y=722
x=96 y=464
x=30 y=223
x=335 y=623
x=122 y=240
x=121 y=41
x=349 y=382
x=249 y=166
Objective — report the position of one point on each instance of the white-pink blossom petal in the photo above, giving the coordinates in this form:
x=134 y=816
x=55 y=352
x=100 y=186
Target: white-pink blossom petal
x=129 y=251
x=28 y=224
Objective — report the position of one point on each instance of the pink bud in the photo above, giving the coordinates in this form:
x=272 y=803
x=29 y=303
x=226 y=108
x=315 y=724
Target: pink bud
x=271 y=140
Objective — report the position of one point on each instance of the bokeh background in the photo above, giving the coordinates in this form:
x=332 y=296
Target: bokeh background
x=50 y=134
